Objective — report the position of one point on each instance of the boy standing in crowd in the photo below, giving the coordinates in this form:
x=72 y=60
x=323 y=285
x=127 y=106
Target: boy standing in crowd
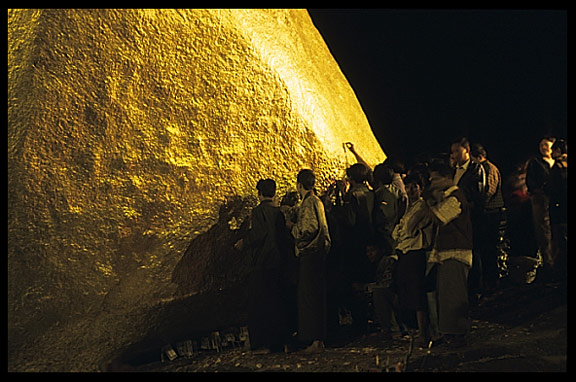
x=312 y=242
x=452 y=252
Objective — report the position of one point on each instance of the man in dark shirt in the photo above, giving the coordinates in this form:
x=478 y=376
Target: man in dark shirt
x=470 y=177
x=453 y=253
x=537 y=175
x=267 y=240
x=357 y=224
x=557 y=190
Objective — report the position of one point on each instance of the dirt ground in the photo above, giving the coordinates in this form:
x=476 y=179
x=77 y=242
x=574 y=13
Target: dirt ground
x=518 y=328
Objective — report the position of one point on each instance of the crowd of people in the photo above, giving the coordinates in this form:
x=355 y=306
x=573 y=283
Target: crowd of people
x=411 y=249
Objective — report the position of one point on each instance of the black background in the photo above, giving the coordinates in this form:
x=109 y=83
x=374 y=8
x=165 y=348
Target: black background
x=423 y=77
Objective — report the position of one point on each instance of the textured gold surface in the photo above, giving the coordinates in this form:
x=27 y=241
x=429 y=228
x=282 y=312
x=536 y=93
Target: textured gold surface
x=128 y=130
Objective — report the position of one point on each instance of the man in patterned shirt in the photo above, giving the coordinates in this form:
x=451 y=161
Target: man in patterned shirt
x=491 y=218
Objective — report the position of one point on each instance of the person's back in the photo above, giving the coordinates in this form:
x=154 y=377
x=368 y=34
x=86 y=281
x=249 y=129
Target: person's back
x=266 y=240
x=359 y=195
x=361 y=203
x=493 y=193
x=311 y=234
x=357 y=223
x=270 y=244
x=387 y=207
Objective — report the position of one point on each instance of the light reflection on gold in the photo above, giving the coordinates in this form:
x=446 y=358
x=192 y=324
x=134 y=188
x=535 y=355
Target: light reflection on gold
x=129 y=129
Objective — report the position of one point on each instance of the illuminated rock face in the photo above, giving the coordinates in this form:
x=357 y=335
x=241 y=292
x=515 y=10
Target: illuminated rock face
x=135 y=140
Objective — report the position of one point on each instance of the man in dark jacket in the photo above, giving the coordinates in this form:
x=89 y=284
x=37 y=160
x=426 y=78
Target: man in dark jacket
x=452 y=252
x=268 y=241
x=537 y=176
x=557 y=191
x=470 y=177
x=358 y=232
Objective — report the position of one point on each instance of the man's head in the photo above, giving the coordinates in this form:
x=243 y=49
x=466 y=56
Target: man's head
x=545 y=146
x=459 y=152
x=305 y=180
x=358 y=173
x=266 y=188
x=478 y=152
x=383 y=174
x=414 y=186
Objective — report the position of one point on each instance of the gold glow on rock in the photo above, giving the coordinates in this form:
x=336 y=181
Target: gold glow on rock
x=128 y=130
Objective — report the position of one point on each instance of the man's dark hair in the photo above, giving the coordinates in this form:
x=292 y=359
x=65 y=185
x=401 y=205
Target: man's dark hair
x=415 y=177
x=306 y=178
x=478 y=150
x=383 y=173
x=462 y=141
x=358 y=172
x=266 y=187
x=396 y=164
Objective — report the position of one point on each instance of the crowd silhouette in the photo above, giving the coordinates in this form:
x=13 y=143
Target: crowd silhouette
x=403 y=252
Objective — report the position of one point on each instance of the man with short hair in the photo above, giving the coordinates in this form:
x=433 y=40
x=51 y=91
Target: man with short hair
x=452 y=252
x=537 y=176
x=470 y=177
x=491 y=218
x=312 y=242
x=267 y=241
x=358 y=232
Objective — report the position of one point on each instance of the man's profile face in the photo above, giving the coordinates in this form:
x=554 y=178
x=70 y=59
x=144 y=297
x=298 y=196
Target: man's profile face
x=458 y=154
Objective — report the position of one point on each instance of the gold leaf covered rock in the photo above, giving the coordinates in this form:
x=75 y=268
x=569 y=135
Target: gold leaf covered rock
x=132 y=135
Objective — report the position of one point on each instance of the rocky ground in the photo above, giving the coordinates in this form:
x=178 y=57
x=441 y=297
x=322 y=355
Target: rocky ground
x=518 y=328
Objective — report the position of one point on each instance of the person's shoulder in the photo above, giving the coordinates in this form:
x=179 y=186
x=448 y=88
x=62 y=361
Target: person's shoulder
x=315 y=198
x=270 y=208
x=535 y=160
x=310 y=199
x=474 y=164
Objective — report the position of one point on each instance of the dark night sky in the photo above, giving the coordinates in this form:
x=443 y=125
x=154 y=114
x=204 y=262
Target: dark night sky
x=425 y=76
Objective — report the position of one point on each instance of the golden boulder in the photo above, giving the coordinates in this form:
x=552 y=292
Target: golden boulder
x=135 y=141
